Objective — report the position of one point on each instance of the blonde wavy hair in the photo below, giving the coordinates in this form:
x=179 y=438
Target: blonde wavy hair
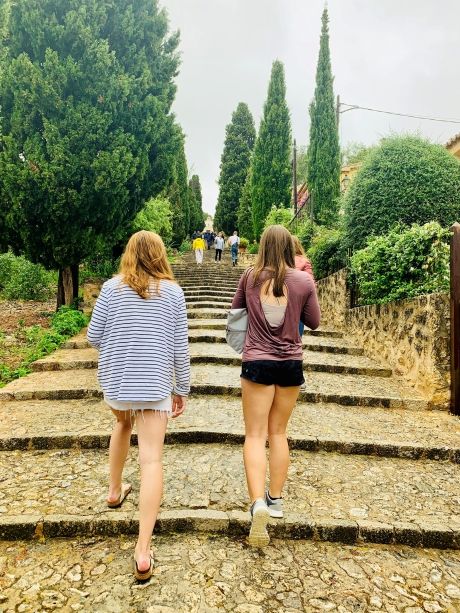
x=144 y=260
x=276 y=255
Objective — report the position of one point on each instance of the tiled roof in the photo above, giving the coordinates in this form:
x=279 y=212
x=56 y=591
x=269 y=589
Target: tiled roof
x=453 y=140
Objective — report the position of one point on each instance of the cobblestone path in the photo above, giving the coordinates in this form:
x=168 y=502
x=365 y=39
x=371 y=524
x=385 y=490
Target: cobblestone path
x=372 y=497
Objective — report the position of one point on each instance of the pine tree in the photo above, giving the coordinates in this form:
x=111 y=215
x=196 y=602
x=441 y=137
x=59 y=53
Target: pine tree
x=324 y=152
x=86 y=88
x=271 y=165
x=196 y=205
x=244 y=218
x=239 y=143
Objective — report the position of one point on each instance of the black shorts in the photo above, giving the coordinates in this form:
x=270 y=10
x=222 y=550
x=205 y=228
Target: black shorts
x=285 y=373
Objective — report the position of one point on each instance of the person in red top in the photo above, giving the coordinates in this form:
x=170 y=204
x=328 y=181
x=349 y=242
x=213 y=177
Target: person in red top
x=277 y=297
x=301 y=263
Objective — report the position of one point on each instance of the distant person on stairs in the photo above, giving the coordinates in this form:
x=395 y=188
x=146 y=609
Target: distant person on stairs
x=277 y=297
x=234 y=242
x=139 y=325
x=301 y=263
x=198 y=247
x=220 y=243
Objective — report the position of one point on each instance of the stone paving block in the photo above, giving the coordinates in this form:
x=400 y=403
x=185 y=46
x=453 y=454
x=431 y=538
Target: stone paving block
x=297 y=526
x=408 y=534
x=337 y=530
x=195 y=520
x=436 y=535
x=66 y=526
x=375 y=532
x=114 y=523
x=18 y=527
x=239 y=522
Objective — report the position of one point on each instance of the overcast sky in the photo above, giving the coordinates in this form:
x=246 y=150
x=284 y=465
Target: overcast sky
x=397 y=55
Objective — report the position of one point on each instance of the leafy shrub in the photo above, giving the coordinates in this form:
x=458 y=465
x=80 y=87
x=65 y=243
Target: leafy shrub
x=404 y=263
x=7 y=262
x=405 y=180
x=254 y=248
x=327 y=252
x=41 y=341
x=99 y=266
x=306 y=232
x=244 y=243
x=185 y=246
x=156 y=216
x=68 y=321
x=278 y=216
x=22 y=280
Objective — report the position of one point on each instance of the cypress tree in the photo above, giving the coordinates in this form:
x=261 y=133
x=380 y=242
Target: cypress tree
x=245 y=224
x=271 y=165
x=196 y=205
x=236 y=157
x=324 y=152
x=179 y=193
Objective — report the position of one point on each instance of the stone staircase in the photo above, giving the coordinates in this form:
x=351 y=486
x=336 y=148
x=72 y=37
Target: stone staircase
x=372 y=499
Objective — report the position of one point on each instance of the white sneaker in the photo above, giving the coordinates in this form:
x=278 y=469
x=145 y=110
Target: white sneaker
x=258 y=535
x=275 y=505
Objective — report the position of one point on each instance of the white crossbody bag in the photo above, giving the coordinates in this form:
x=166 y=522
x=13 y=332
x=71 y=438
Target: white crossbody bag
x=237 y=326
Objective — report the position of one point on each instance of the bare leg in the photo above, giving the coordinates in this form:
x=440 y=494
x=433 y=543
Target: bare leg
x=118 y=451
x=151 y=428
x=257 y=401
x=281 y=411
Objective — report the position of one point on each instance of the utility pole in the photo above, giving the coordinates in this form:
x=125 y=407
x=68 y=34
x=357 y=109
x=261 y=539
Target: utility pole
x=294 y=176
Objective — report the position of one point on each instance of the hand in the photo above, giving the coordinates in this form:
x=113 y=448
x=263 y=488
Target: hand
x=178 y=405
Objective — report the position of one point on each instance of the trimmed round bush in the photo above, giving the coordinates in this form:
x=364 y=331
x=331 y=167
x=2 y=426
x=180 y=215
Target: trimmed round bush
x=405 y=180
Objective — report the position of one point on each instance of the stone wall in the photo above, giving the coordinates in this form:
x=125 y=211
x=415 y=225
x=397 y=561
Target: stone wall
x=334 y=299
x=412 y=337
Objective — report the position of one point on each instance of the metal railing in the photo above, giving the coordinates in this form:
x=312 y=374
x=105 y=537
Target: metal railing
x=303 y=212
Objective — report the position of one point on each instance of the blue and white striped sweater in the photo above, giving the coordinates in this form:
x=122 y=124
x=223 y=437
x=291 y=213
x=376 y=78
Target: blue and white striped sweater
x=143 y=343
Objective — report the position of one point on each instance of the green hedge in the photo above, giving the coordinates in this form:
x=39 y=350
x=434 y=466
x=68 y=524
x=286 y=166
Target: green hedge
x=327 y=252
x=406 y=262
x=405 y=180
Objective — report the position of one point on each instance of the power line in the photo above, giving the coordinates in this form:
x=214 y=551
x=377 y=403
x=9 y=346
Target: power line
x=353 y=107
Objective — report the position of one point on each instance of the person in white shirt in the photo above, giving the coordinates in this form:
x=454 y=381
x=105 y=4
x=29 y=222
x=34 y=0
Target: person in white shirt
x=219 y=246
x=234 y=241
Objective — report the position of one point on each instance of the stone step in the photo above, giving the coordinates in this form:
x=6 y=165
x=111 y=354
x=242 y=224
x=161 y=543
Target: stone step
x=215 y=572
x=212 y=379
x=389 y=500
x=210 y=294
x=218 y=324
x=87 y=424
x=207 y=314
x=218 y=353
x=191 y=304
x=310 y=342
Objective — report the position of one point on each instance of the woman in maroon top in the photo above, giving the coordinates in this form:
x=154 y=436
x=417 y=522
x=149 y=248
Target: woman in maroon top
x=277 y=297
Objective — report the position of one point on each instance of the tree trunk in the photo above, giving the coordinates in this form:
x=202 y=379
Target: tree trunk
x=75 y=280
x=65 y=295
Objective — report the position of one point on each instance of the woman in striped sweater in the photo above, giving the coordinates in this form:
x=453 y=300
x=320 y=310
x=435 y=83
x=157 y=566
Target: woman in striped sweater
x=139 y=325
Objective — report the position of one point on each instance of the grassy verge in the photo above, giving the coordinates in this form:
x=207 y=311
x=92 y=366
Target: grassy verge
x=38 y=342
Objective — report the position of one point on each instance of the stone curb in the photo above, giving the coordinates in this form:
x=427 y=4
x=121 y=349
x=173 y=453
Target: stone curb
x=293 y=526
x=221 y=390
x=208 y=437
